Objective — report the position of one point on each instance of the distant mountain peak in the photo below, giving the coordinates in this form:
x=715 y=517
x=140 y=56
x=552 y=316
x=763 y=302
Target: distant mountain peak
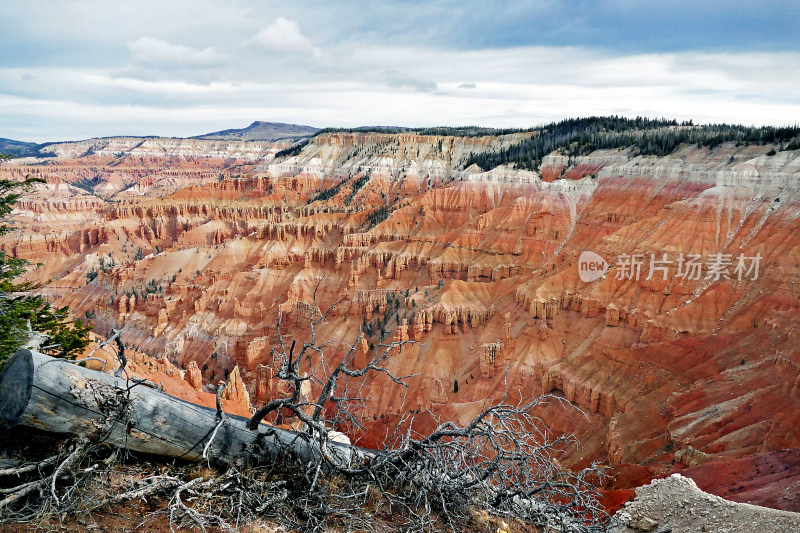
x=261 y=130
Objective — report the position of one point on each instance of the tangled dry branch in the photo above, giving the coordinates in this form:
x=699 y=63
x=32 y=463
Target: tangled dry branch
x=502 y=461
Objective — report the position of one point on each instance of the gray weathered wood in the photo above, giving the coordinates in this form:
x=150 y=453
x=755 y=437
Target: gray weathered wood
x=57 y=396
x=15 y=391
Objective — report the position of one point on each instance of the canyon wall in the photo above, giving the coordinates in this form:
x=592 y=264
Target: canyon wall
x=683 y=355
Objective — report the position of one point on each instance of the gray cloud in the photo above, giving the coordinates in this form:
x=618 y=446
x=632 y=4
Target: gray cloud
x=149 y=50
x=397 y=80
x=182 y=68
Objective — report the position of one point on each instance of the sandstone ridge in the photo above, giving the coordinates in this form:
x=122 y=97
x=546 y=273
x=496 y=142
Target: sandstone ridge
x=196 y=247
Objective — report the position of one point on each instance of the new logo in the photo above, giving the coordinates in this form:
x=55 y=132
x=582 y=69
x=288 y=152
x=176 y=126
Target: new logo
x=591 y=266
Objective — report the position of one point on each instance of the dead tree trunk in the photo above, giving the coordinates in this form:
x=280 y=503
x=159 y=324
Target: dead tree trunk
x=55 y=395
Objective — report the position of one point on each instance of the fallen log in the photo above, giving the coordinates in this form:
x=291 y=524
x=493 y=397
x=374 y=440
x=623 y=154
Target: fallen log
x=58 y=396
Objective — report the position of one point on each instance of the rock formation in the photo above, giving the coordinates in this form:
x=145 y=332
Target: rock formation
x=235 y=390
x=197 y=249
x=676 y=504
x=193 y=376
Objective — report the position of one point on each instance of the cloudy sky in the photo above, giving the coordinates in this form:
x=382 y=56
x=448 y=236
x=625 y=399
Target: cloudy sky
x=74 y=69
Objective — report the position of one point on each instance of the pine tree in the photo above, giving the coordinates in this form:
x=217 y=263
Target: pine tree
x=19 y=307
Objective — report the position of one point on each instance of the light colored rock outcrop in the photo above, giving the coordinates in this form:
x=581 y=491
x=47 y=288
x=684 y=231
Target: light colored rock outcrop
x=676 y=504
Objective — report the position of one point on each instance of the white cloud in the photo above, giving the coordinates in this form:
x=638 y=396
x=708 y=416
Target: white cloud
x=149 y=50
x=357 y=85
x=283 y=35
x=79 y=72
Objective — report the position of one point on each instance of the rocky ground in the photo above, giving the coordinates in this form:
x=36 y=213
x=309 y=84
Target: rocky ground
x=675 y=504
